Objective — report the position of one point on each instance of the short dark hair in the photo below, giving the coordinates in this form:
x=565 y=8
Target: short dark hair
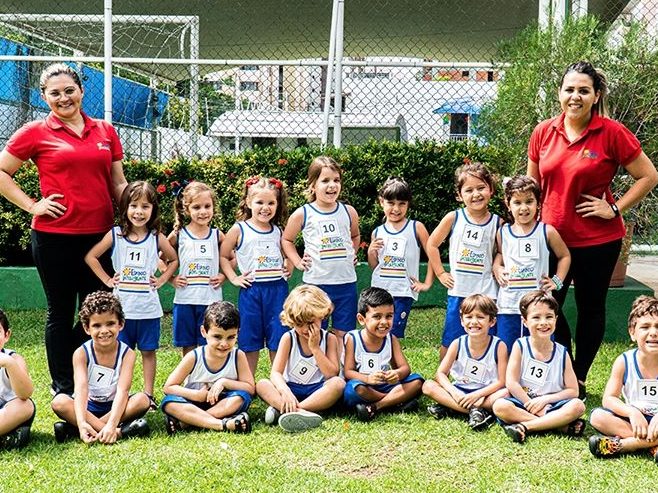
x=395 y=188
x=643 y=305
x=4 y=321
x=536 y=297
x=372 y=298
x=478 y=302
x=222 y=314
x=100 y=302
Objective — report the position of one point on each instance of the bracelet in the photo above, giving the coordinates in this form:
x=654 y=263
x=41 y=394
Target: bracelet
x=557 y=281
x=615 y=209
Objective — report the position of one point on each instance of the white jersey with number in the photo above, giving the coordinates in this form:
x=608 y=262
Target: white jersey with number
x=259 y=253
x=526 y=261
x=542 y=377
x=328 y=241
x=369 y=362
x=199 y=261
x=203 y=377
x=302 y=368
x=470 y=373
x=103 y=380
x=6 y=392
x=638 y=391
x=398 y=260
x=471 y=256
x=136 y=262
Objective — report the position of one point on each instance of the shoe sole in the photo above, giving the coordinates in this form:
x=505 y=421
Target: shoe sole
x=297 y=422
x=271 y=416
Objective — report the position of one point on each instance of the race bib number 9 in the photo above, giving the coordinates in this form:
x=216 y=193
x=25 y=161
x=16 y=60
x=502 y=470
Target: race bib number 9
x=303 y=371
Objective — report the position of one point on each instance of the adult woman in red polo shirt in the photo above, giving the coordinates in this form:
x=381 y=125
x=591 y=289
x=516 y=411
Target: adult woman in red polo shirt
x=575 y=156
x=80 y=171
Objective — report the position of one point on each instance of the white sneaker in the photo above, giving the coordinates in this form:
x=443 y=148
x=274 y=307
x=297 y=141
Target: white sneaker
x=272 y=415
x=301 y=420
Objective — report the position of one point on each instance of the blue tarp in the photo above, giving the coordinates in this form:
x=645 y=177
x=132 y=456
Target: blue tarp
x=460 y=105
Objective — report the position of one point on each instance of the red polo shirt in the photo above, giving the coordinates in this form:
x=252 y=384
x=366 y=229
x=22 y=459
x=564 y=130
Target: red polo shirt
x=586 y=165
x=78 y=167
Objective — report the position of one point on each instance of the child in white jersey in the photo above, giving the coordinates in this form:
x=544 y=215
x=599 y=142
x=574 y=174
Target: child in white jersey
x=394 y=252
x=540 y=377
x=472 y=231
x=101 y=408
x=331 y=239
x=199 y=280
x=135 y=245
x=631 y=424
x=16 y=407
x=471 y=376
x=255 y=240
x=524 y=247
x=377 y=373
x=211 y=387
x=304 y=378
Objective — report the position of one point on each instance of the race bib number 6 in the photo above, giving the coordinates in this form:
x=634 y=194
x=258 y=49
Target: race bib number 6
x=369 y=364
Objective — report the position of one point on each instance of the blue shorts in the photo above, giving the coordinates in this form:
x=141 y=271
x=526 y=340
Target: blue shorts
x=551 y=407
x=246 y=400
x=351 y=398
x=648 y=417
x=187 y=322
x=303 y=391
x=260 y=307
x=402 y=306
x=452 y=328
x=99 y=409
x=509 y=328
x=345 y=298
x=145 y=334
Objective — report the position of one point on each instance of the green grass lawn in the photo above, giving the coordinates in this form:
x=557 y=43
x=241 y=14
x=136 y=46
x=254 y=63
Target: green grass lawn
x=410 y=452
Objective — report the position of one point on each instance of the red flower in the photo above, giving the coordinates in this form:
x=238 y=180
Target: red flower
x=174 y=184
x=161 y=188
x=282 y=161
x=363 y=244
x=168 y=172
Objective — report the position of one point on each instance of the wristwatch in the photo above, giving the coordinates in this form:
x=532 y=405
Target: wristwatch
x=615 y=209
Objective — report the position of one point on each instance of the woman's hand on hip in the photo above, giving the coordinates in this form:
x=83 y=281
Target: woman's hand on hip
x=47 y=206
x=595 y=207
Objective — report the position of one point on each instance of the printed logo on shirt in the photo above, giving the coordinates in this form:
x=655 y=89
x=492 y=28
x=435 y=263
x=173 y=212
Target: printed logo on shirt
x=522 y=277
x=590 y=154
x=470 y=261
x=198 y=274
x=268 y=268
x=134 y=280
x=393 y=267
x=103 y=146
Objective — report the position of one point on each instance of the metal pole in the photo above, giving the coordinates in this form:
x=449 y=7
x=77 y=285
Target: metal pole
x=194 y=86
x=107 y=60
x=330 y=74
x=338 y=87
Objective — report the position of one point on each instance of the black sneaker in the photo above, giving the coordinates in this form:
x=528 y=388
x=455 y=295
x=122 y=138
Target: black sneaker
x=479 y=418
x=15 y=439
x=604 y=446
x=437 y=411
x=136 y=428
x=366 y=412
x=65 y=431
x=408 y=407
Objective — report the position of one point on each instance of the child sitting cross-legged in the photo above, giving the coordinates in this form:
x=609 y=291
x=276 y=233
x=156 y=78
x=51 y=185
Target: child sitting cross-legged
x=212 y=386
x=540 y=377
x=377 y=373
x=101 y=409
x=631 y=424
x=471 y=376
x=304 y=377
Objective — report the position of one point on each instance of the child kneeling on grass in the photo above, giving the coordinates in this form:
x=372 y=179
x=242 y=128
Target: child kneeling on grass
x=212 y=385
x=471 y=376
x=540 y=377
x=377 y=373
x=101 y=409
x=304 y=377
x=631 y=424
x=16 y=408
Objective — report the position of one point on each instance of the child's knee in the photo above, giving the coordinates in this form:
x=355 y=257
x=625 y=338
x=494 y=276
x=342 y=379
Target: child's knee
x=501 y=406
x=60 y=403
x=598 y=418
x=140 y=400
x=262 y=385
x=336 y=384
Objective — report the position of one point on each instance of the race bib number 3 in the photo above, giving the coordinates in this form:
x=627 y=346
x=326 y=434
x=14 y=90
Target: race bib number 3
x=536 y=372
x=395 y=247
x=475 y=370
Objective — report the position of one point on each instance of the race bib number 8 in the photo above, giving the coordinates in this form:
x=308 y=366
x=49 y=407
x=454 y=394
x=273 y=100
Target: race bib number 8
x=528 y=248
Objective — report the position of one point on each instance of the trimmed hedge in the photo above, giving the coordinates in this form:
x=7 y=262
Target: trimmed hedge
x=427 y=166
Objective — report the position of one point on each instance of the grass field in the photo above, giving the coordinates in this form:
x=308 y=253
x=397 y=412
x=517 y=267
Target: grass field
x=396 y=453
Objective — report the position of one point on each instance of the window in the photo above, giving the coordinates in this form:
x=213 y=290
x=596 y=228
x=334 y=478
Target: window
x=247 y=85
x=263 y=142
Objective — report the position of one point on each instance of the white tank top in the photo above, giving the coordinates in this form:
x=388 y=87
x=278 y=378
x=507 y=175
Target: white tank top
x=260 y=253
x=367 y=362
x=302 y=368
x=6 y=392
x=469 y=373
x=103 y=380
x=199 y=261
x=398 y=260
x=471 y=256
x=639 y=392
x=201 y=376
x=136 y=262
x=327 y=239
x=526 y=261
x=541 y=377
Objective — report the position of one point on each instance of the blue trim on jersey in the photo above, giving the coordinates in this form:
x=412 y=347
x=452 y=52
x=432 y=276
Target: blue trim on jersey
x=454 y=222
x=139 y=242
x=323 y=335
x=637 y=366
x=328 y=213
x=205 y=362
x=237 y=247
x=258 y=231
x=527 y=339
x=546 y=237
x=348 y=214
x=486 y=223
x=366 y=349
x=93 y=354
x=194 y=237
x=114 y=240
x=396 y=232
x=564 y=367
x=625 y=368
x=468 y=351
x=304 y=220
x=511 y=232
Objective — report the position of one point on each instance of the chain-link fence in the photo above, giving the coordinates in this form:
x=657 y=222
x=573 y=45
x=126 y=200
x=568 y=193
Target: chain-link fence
x=213 y=77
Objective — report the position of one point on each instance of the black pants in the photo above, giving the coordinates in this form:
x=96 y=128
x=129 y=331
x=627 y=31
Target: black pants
x=591 y=270
x=66 y=280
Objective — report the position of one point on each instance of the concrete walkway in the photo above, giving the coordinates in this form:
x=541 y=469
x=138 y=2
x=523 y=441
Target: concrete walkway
x=644 y=268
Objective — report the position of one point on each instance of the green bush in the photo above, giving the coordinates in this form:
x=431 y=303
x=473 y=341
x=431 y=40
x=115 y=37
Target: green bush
x=427 y=166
